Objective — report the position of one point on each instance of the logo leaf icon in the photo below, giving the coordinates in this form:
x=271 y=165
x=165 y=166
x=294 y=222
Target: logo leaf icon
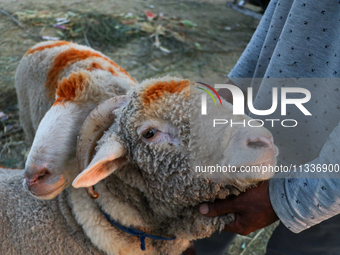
x=209 y=94
x=212 y=89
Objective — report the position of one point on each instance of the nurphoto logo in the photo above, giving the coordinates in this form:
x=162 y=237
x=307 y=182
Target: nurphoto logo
x=239 y=103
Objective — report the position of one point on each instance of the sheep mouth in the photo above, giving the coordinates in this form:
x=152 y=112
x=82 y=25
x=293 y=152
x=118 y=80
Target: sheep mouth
x=259 y=171
x=47 y=191
x=253 y=172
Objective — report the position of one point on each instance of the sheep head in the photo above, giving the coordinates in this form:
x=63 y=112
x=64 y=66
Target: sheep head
x=157 y=133
x=51 y=165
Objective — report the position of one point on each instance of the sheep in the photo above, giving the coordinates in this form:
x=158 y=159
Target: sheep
x=143 y=169
x=58 y=84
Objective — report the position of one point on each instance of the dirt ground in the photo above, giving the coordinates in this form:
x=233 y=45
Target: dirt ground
x=212 y=39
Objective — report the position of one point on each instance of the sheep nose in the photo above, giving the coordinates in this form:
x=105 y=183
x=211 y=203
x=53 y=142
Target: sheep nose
x=261 y=142
x=33 y=178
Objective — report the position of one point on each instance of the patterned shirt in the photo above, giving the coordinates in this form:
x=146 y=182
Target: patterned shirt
x=299 y=39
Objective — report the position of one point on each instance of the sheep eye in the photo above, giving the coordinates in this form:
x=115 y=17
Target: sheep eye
x=149 y=133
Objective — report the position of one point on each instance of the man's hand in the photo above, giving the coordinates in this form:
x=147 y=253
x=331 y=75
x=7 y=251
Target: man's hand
x=252 y=209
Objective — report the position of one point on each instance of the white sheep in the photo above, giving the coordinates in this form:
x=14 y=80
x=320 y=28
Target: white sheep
x=143 y=170
x=73 y=79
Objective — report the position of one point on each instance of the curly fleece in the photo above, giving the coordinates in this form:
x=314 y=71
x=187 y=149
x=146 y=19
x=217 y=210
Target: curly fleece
x=31 y=226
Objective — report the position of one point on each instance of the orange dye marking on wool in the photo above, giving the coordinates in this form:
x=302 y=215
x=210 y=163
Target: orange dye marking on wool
x=68 y=57
x=110 y=69
x=161 y=87
x=95 y=66
x=49 y=46
x=58 y=102
x=70 y=87
x=113 y=72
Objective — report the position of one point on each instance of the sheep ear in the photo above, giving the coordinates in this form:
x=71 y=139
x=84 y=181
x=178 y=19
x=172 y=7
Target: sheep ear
x=108 y=158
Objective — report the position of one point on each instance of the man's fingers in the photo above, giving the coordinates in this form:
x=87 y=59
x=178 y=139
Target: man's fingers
x=237 y=227
x=218 y=208
x=233 y=227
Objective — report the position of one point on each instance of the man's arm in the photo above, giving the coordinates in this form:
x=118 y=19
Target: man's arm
x=305 y=199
